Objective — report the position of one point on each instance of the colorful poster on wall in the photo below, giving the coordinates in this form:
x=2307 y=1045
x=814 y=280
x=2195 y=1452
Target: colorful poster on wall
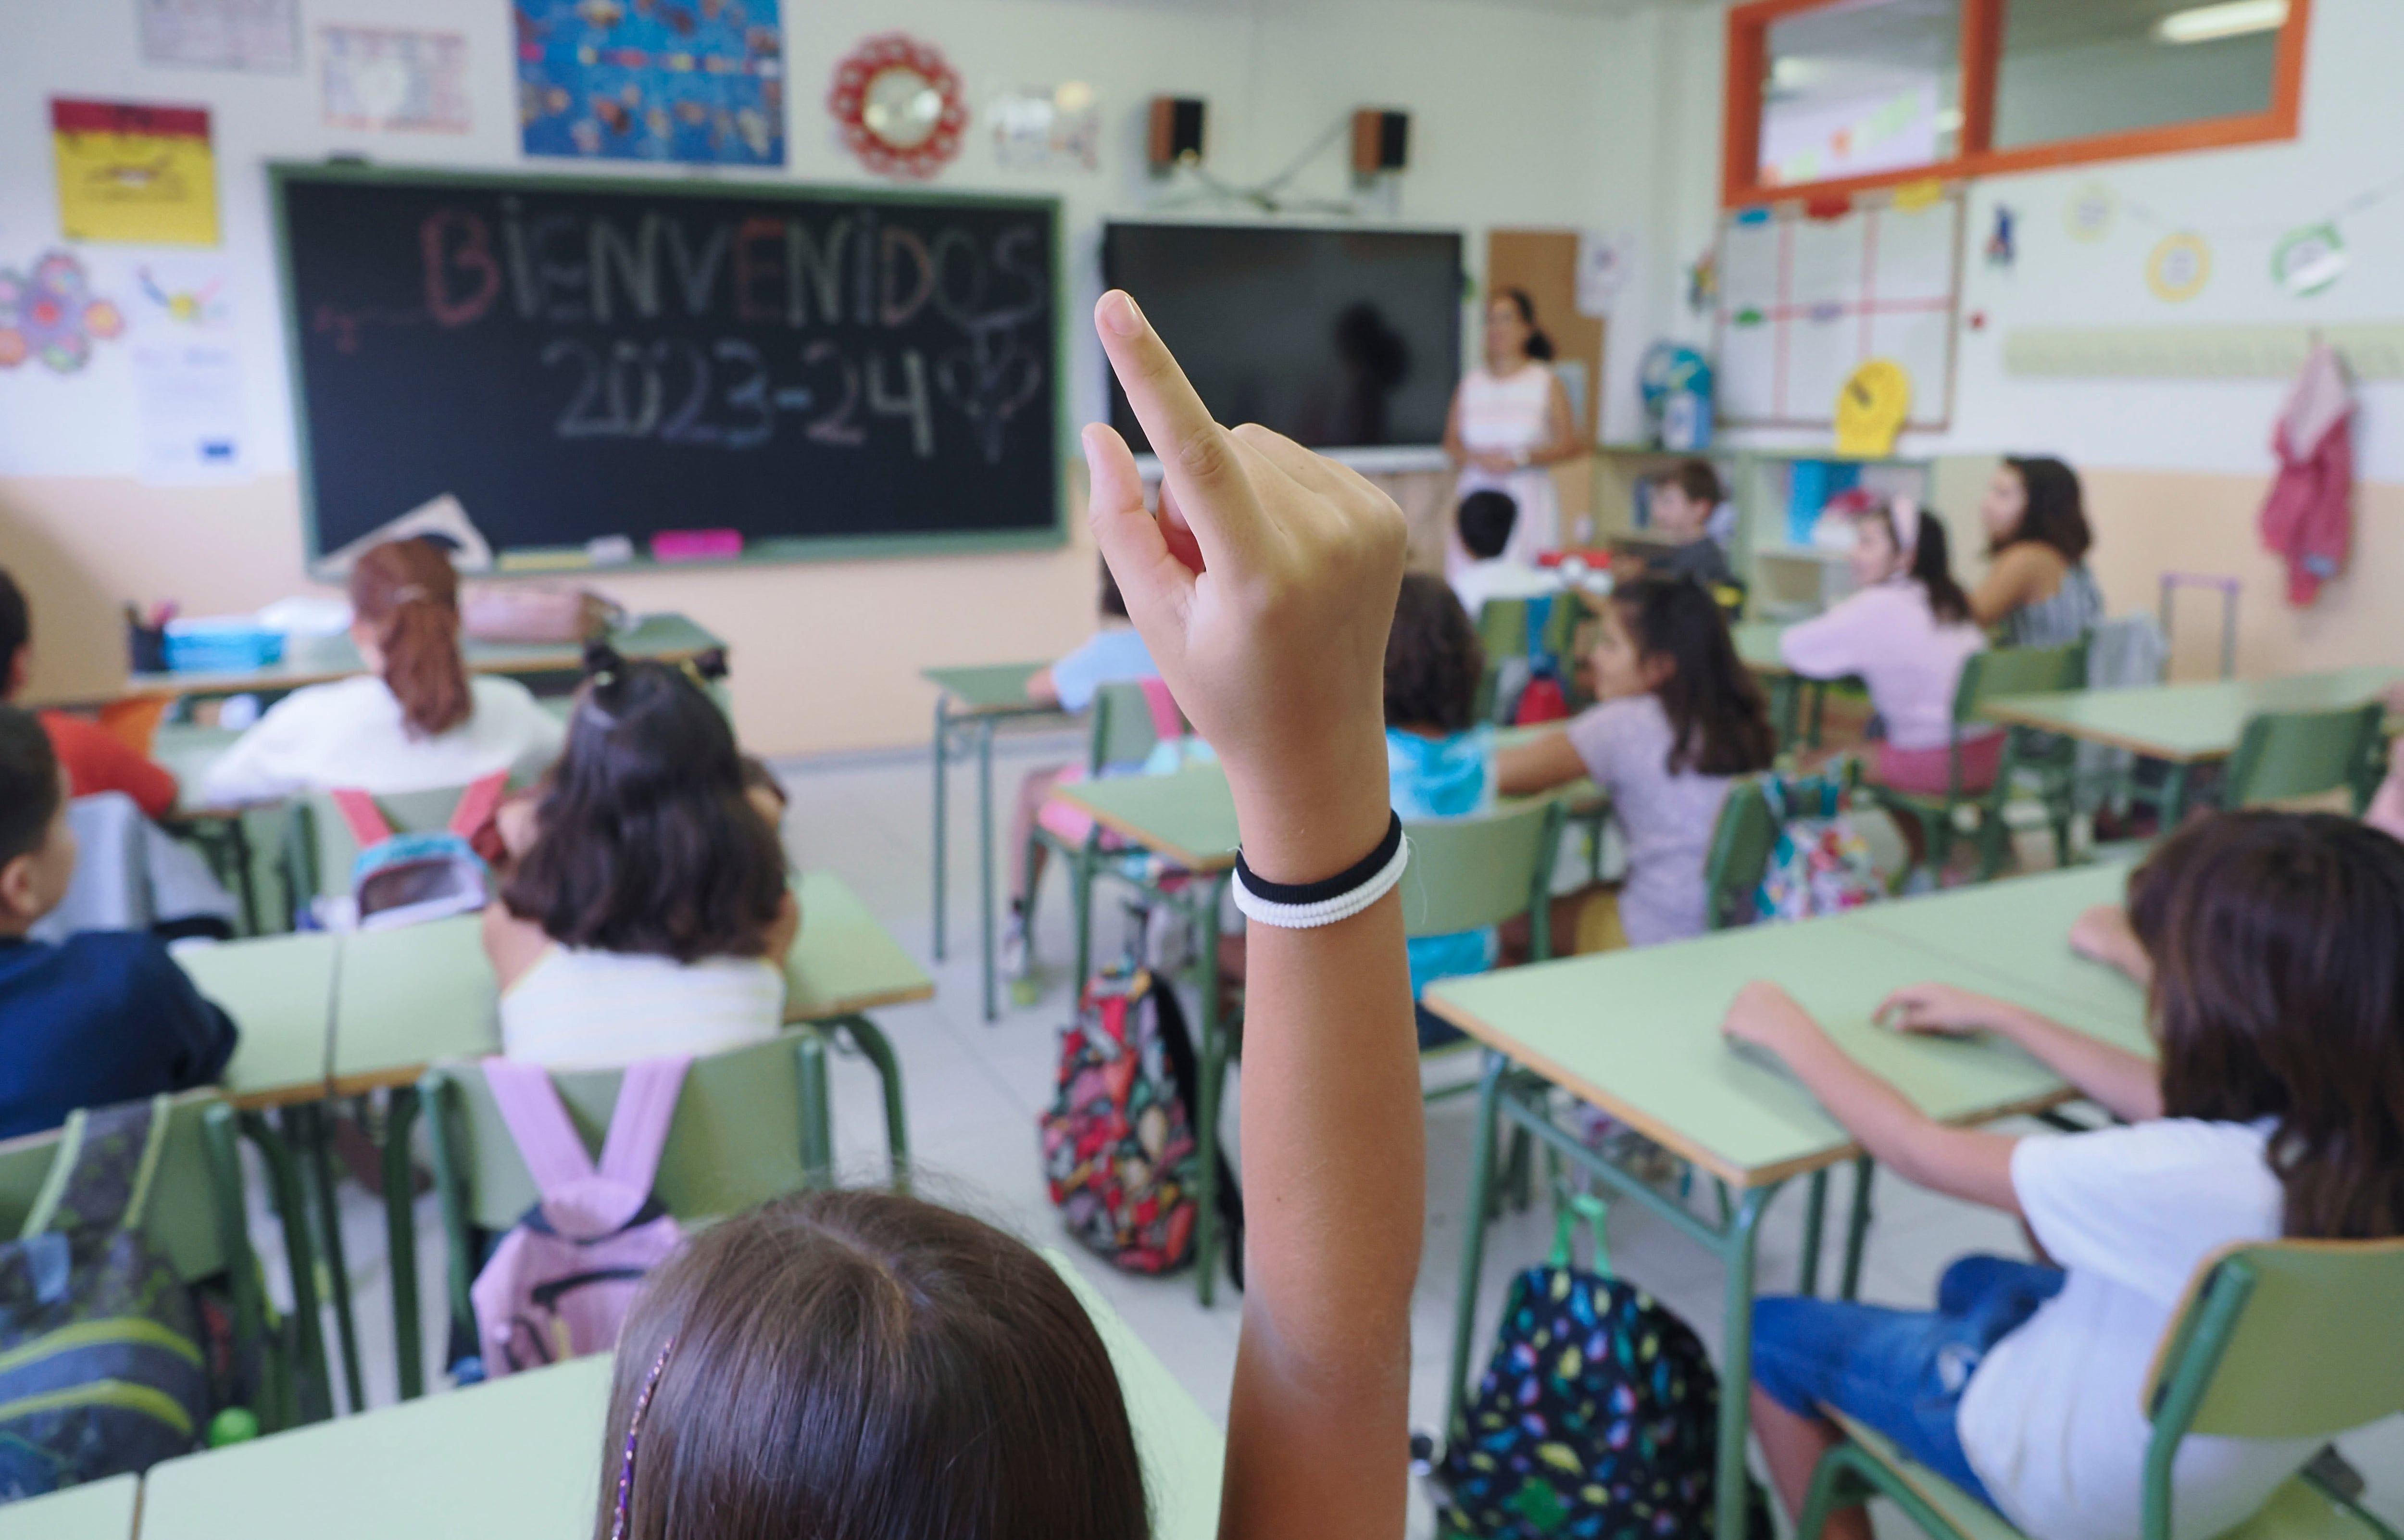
x=50 y=316
x=134 y=174
x=1039 y=130
x=694 y=80
x=377 y=78
x=253 y=34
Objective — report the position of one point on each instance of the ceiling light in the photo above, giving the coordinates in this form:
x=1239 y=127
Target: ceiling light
x=2229 y=19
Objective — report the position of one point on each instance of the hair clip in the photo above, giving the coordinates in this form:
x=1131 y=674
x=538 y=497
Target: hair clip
x=410 y=593
x=634 y=1431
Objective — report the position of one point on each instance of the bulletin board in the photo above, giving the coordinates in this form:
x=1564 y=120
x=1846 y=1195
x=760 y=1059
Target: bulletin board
x=1804 y=302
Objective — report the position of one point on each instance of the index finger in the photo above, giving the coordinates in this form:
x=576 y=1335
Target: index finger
x=1197 y=459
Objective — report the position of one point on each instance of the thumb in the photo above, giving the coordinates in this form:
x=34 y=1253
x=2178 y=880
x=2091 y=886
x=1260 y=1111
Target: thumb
x=1157 y=586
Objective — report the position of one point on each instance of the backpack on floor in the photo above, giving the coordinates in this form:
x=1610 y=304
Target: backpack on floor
x=1118 y=1150
x=1598 y=1418
x=1821 y=864
x=406 y=879
x=560 y=1282
x=101 y=1366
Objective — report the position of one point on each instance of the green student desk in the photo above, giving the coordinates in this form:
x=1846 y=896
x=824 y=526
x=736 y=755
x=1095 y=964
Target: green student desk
x=1636 y=1034
x=2185 y=724
x=521 y=1459
x=319 y=659
x=969 y=703
x=101 y=1510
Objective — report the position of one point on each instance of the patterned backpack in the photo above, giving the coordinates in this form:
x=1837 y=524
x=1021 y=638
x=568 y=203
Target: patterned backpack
x=103 y=1370
x=1821 y=864
x=1119 y=1151
x=560 y=1282
x=1598 y=1418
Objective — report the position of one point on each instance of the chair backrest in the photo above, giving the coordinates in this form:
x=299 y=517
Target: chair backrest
x=1122 y=731
x=2016 y=671
x=183 y=1218
x=325 y=836
x=1467 y=873
x=2284 y=755
x=1742 y=841
x=1502 y=629
x=2270 y=1344
x=736 y=1138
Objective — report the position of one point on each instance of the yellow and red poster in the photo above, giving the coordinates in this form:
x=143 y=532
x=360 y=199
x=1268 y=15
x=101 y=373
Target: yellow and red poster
x=135 y=173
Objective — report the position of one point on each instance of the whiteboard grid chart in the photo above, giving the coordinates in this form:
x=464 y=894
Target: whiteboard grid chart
x=1805 y=301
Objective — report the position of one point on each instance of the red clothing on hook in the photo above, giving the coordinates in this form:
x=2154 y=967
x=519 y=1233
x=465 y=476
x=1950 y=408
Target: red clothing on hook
x=2309 y=518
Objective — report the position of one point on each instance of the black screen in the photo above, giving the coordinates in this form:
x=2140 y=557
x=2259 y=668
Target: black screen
x=1335 y=338
x=578 y=358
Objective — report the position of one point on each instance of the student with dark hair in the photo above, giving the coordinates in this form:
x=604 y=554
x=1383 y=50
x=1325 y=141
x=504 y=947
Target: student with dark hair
x=1484 y=521
x=2037 y=587
x=1683 y=502
x=650 y=915
x=415 y=720
x=2274 y=1108
x=1510 y=420
x=1439 y=758
x=1906 y=631
x=857 y=1365
x=1677 y=717
x=103 y=1016
x=96 y=760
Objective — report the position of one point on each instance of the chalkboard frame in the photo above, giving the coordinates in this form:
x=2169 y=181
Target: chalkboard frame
x=810 y=549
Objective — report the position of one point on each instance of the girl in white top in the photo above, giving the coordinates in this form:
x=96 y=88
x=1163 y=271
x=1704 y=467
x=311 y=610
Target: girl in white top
x=414 y=721
x=2274 y=1111
x=650 y=915
x=1510 y=420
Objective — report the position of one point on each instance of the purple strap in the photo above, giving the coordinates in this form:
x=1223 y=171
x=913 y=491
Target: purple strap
x=579 y=1200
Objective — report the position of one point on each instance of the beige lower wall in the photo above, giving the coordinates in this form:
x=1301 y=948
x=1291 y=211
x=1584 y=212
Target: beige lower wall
x=827 y=654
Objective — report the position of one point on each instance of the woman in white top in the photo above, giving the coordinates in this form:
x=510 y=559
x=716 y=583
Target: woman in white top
x=1510 y=420
x=650 y=915
x=414 y=721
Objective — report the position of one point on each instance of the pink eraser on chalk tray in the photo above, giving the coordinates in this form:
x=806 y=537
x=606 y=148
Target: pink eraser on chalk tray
x=696 y=545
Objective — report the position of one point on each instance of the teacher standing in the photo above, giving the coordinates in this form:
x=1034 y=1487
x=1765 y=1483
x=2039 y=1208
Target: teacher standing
x=1510 y=420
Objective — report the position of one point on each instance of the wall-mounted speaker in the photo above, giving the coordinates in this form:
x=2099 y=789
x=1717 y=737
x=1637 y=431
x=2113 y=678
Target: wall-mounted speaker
x=1176 y=137
x=1381 y=141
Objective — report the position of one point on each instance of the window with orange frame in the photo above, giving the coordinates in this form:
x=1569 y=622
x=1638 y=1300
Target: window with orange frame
x=1829 y=97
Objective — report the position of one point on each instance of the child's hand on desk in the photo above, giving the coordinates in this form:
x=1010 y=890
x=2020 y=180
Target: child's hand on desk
x=1265 y=590
x=1939 y=1010
x=2102 y=935
x=1766 y=1017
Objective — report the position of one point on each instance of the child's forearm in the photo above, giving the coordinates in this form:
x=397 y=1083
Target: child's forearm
x=2126 y=1085
x=1963 y=1163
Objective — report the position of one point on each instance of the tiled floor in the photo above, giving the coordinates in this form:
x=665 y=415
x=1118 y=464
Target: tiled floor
x=976 y=1091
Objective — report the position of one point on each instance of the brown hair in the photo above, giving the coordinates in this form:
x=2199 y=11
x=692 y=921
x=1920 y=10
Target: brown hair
x=1719 y=724
x=862 y=1365
x=648 y=843
x=1434 y=659
x=2055 y=512
x=1932 y=555
x=1697 y=479
x=407 y=593
x=2278 y=994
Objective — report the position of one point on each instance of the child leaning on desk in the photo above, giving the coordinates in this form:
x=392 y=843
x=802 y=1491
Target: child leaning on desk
x=2276 y=1110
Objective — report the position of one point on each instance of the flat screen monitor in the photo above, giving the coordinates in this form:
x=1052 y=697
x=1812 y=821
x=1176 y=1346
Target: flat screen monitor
x=1339 y=339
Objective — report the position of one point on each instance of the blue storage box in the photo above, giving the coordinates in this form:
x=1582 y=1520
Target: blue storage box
x=221 y=646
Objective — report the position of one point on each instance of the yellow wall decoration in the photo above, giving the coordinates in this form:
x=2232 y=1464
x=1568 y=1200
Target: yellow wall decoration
x=2179 y=268
x=141 y=175
x=1871 y=407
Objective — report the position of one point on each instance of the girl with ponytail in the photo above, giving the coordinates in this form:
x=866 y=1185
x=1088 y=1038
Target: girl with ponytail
x=1906 y=631
x=414 y=721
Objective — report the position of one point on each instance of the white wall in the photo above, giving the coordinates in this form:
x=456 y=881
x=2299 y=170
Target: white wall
x=1517 y=115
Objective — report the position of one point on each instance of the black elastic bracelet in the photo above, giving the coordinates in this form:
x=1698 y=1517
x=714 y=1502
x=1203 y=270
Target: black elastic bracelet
x=1335 y=887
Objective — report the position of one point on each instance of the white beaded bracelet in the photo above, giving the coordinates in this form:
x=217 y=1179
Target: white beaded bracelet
x=1302 y=907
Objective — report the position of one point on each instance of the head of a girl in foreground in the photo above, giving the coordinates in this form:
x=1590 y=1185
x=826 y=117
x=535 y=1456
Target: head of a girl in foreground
x=1666 y=636
x=1898 y=539
x=405 y=621
x=855 y=1364
x=2278 y=994
x=1433 y=660
x=650 y=841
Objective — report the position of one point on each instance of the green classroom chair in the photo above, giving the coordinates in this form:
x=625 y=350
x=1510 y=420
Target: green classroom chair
x=1743 y=838
x=196 y=1219
x=1502 y=635
x=2045 y=764
x=2269 y=1344
x=743 y=1133
x=1467 y=873
x=2283 y=756
x=1120 y=733
x=317 y=844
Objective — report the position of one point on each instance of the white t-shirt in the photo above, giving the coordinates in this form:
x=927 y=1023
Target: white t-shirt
x=1500 y=577
x=2053 y=1419
x=579 y=1009
x=1889 y=636
x=351 y=734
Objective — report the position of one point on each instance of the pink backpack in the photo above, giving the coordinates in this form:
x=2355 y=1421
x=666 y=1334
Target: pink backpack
x=561 y=1281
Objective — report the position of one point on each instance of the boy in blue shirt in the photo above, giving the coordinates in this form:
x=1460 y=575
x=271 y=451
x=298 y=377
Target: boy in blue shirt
x=104 y=1016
